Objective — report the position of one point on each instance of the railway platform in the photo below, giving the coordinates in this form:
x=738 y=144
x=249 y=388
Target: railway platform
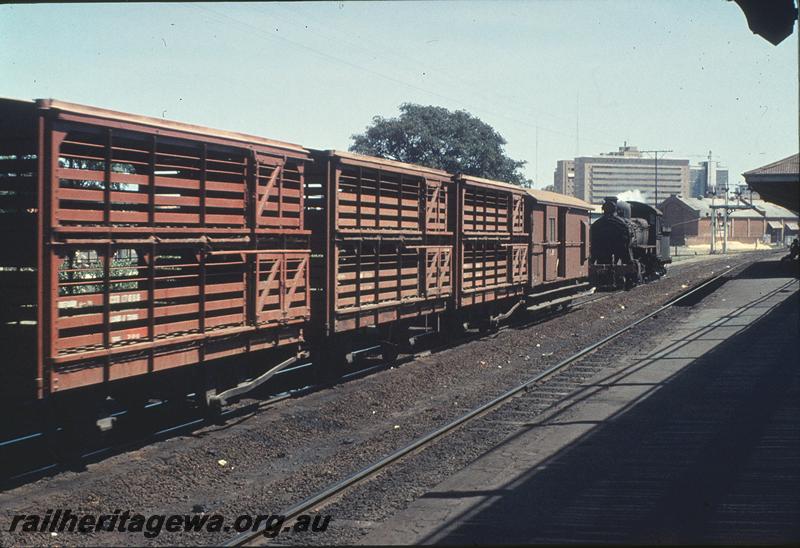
x=692 y=440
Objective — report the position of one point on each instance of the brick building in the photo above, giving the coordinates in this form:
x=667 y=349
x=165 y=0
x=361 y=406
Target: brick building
x=690 y=219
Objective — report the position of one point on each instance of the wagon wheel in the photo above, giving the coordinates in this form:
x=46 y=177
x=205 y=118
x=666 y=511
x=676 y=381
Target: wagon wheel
x=64 y=440
x=389 y=351
x=135 y=417
x=329 y=363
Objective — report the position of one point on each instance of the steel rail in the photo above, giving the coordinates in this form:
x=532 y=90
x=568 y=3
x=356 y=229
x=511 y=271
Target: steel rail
x=181 y=426
x=355 y=478
x=579 y=300
x=257 y=406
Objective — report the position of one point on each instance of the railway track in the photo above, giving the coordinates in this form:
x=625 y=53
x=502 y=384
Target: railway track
x=322 y=498
x=187 y=421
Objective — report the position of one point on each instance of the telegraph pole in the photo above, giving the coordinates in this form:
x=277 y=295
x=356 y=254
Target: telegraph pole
x=655 y=152
x=727 y=208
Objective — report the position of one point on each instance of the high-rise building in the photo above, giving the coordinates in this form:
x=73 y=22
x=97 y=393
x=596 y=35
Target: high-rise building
x=628 y=171
x=564 y=177
x=707 y=178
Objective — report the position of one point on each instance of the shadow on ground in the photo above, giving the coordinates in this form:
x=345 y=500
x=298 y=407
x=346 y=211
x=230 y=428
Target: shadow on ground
x=712 y=455
x=771 y=269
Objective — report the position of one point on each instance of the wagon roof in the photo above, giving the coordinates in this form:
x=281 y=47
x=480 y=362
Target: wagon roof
x=490 y=182
x=353 y=157
x=545 y=196
x=165 y=124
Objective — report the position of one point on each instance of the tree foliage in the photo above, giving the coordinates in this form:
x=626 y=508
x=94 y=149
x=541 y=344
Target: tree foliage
x=435 y=137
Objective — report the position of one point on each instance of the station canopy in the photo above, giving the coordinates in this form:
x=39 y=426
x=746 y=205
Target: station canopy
x=778 y=182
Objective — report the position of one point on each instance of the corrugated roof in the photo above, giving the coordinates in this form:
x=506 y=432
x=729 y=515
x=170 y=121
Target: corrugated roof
x=765 y=209
x=549 y=197
x=787 y=166
x=770 y=210
x=165 y=124
x=701 y=205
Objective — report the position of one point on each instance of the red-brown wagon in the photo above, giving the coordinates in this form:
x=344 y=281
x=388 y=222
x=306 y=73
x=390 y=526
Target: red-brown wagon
x=135 y=245
x=383 y=244
x=492 y=246
x=559 y=248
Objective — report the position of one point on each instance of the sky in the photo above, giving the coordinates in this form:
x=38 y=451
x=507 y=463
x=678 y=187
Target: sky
x=556 y=79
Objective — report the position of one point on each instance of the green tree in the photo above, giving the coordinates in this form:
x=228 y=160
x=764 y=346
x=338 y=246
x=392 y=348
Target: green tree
x=435 y=137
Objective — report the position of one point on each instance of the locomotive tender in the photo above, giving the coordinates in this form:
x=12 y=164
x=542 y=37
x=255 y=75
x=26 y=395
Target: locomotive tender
x=149 y=258
x=629 y=243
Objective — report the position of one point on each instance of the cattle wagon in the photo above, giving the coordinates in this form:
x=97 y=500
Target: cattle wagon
x=150 y=258
x=136 y=246
x=383 y=249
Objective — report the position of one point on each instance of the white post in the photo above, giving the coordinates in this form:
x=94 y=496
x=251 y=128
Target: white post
x=713 y=224
x=725 y=226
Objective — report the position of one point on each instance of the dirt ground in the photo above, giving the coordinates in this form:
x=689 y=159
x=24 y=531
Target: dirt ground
x=264 y=462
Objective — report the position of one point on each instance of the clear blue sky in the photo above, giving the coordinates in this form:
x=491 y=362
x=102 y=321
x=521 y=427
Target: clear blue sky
x=682 y=75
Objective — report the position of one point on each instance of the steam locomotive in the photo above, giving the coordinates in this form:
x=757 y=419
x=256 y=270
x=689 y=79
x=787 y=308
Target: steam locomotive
x=629 y=245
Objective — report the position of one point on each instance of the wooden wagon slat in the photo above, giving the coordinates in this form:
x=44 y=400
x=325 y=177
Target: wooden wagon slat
x=97 y=196
x=264 y=192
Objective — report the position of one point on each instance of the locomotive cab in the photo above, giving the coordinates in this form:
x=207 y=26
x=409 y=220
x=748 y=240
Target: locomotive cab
x=658 y=235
